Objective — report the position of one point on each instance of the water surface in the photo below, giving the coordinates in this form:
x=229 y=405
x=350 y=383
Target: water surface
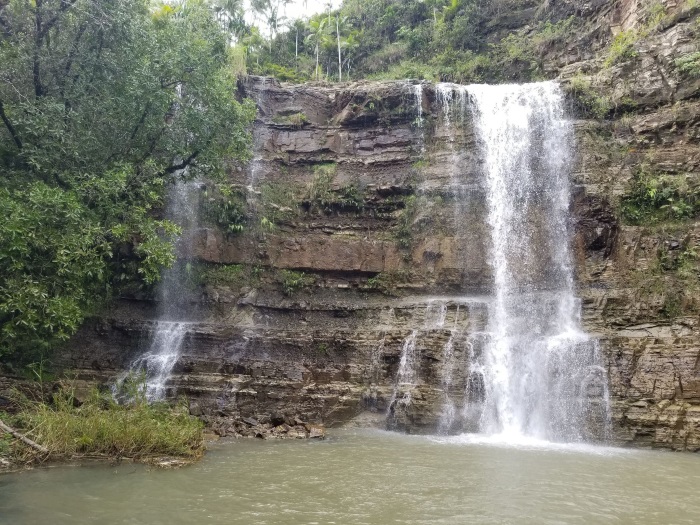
x=369 y=477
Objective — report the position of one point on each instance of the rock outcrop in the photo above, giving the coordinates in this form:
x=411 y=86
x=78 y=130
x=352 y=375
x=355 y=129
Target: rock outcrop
x=356 y=234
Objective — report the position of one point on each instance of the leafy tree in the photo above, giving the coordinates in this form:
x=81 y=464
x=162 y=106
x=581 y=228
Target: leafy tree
x=103 y=104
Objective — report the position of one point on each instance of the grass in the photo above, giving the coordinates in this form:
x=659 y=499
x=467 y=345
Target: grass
x=103 y=428
x=295 y=120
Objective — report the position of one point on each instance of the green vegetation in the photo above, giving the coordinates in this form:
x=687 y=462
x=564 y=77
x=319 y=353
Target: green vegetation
x=102 y=105
x=587 y=99
x=397 y=39
x=225 y=207
x=689 y=64
x=295 y=120
x=655 y=198
x=279 y=202
x=622 y=47
x=292 y=281
x=386 y=282
x=672 y=281
x=234 y=276
x=404 y=227
x=322 y=196
x=101 y=427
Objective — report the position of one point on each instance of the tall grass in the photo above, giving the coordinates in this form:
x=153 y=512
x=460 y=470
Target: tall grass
x=102 y=427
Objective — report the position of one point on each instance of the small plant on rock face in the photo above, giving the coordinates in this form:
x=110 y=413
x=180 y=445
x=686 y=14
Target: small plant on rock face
x=622 y=48
x=655 y=198
x=404 y=228
x=322 y=196
x=586 y=99
x=295 y=120
x=292 y=281
x=225 y=207
x=689 y=64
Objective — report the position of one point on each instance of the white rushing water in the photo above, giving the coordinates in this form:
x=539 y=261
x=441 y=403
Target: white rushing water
x=537 y=374
x=170 y=330
x=407 y=376
x=161 y=358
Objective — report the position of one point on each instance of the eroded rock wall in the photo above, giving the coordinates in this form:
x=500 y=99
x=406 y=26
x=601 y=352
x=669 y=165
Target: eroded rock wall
x=357 y=231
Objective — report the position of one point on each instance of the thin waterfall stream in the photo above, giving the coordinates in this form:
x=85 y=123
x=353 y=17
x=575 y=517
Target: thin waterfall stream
x=170 y=330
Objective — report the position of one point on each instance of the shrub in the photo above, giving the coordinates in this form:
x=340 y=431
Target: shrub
x=622 y=48
x=655 y=198
x=225 y=207
x=292 y=281
x=689 y=64
x=586 y=99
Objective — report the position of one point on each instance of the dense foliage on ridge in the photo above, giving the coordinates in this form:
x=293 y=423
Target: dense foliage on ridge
x=102 y=105
x=448 y=40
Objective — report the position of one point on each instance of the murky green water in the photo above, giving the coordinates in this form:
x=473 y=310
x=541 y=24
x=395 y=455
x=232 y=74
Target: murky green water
x=369 y=477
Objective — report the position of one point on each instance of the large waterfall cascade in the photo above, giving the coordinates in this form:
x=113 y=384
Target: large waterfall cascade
x=532 y=373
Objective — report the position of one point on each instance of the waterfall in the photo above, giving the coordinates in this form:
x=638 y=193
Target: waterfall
x=537 y=374
x=407 y=377
x=418 y=96
x=170 y=331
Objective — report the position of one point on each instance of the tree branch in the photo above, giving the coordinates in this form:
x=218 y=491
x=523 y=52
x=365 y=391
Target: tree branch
x=24 y=439
x=41 y=30
x=10 y=127
x=52 y=22
x=182 y=165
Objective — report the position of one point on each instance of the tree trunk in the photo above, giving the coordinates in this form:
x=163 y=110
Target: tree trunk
x=24 y=439
x=316 y=60
x=340 y=62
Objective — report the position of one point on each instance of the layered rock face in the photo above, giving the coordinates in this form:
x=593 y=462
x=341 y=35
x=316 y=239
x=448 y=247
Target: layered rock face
x=361 y=239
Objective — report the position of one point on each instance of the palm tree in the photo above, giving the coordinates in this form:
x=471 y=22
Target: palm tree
x=229 y=13
x=317 y=31
x=270 y=11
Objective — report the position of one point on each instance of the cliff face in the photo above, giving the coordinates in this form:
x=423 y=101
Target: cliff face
x=358 y=241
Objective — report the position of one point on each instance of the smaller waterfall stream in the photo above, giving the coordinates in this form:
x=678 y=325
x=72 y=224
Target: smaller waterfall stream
x=159 y=361
x=407 y=374
x=170 y=330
